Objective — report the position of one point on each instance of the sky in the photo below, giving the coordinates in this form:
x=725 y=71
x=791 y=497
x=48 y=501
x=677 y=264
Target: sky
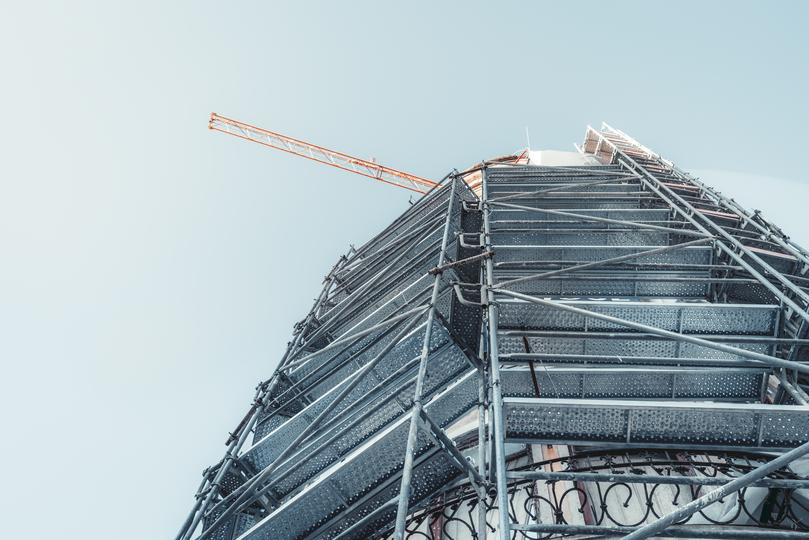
x=152 y=270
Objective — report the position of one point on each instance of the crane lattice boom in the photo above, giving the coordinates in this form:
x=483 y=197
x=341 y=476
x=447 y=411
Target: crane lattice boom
x=320 y=154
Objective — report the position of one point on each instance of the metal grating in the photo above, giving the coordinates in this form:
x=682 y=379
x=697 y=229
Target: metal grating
x=702 y=318
x=656 y=424
x=377 y=462
x=635 y=383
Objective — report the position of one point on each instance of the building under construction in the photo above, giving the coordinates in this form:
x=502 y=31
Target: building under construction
x=549 y=344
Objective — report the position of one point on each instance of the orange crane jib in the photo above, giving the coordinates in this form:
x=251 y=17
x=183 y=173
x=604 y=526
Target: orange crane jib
x=320 y=154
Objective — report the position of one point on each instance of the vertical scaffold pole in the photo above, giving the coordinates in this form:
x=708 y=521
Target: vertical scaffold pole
x=494 y=370
x=482 y=532
x=407 y=470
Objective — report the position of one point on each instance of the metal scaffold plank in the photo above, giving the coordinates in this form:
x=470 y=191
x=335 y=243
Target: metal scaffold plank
x=656 y=424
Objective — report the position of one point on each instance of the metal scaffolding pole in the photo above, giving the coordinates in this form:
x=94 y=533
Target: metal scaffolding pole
x=499 y=450
x=407 y=470
x=688 y=532
x=576 y=476
x=482 y=429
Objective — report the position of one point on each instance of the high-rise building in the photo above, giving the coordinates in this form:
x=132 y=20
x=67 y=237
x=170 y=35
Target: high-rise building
x=553 y=343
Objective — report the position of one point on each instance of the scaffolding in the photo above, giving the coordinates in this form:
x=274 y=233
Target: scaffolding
x=608 y=349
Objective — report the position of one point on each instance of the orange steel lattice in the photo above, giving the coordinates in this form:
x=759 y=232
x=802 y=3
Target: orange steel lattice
x=320 y=154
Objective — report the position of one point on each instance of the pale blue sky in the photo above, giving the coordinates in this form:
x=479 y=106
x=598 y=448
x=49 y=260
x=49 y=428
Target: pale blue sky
x=152 y=271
